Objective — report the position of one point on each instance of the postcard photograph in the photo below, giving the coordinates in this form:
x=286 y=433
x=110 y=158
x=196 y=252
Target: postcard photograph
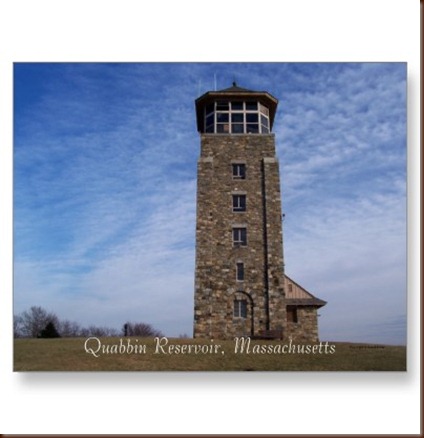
x=210 y=216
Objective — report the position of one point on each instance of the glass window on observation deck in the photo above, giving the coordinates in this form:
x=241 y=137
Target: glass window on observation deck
x=236 y=117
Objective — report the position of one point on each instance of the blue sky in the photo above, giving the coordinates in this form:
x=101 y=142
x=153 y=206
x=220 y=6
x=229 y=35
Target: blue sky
x=105 y=184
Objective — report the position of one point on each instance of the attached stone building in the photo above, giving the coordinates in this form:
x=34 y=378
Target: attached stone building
x=240 y=285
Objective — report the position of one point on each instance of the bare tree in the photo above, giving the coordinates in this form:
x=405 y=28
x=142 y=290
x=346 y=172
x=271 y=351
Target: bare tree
x=17 y=326
x=140 y=329
x=101 y=331
x=69 y=329
x=32 y=322
x=84 y=332
x=35 y=320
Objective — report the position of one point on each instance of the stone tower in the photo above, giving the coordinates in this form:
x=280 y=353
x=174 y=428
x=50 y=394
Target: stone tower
x=240 y=285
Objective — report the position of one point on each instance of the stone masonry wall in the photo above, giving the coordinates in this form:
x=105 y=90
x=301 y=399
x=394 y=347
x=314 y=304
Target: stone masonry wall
x=306 y=327
x=216 y=286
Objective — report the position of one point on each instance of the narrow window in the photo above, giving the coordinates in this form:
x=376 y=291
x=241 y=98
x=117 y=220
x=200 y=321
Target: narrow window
x=222 y=125
x=239 y=202
x=222 y=128
x=240 y=271
x=222 y=117
x=252 y=128
x=237 y=123
x=264 y=109
x=222 y=106
x=210 y=122
x=251 y=106
x=252 y=118
x=239 y=171
x=209 y=108
x=264 y=124
x=237 y=106
x=292 y=314
x=239 y=236
x=237 y=117
x=240 y=308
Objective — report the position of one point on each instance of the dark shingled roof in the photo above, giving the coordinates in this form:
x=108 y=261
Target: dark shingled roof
x=313 y=301
x=237 y=89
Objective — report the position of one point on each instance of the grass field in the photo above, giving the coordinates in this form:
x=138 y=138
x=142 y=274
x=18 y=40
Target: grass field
x=148 y=354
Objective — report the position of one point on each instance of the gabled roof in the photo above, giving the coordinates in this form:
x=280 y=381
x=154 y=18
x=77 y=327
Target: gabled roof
x=301 y=297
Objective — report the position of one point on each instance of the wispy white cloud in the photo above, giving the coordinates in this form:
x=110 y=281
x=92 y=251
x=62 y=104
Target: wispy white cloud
x=343 y=161
x=146 y=273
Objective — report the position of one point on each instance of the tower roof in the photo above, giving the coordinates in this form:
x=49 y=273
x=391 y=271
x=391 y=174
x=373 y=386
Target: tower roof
x=237 y=93
x=236 y=89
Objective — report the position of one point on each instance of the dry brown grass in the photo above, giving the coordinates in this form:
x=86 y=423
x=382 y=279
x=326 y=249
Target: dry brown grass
x=68 y=354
